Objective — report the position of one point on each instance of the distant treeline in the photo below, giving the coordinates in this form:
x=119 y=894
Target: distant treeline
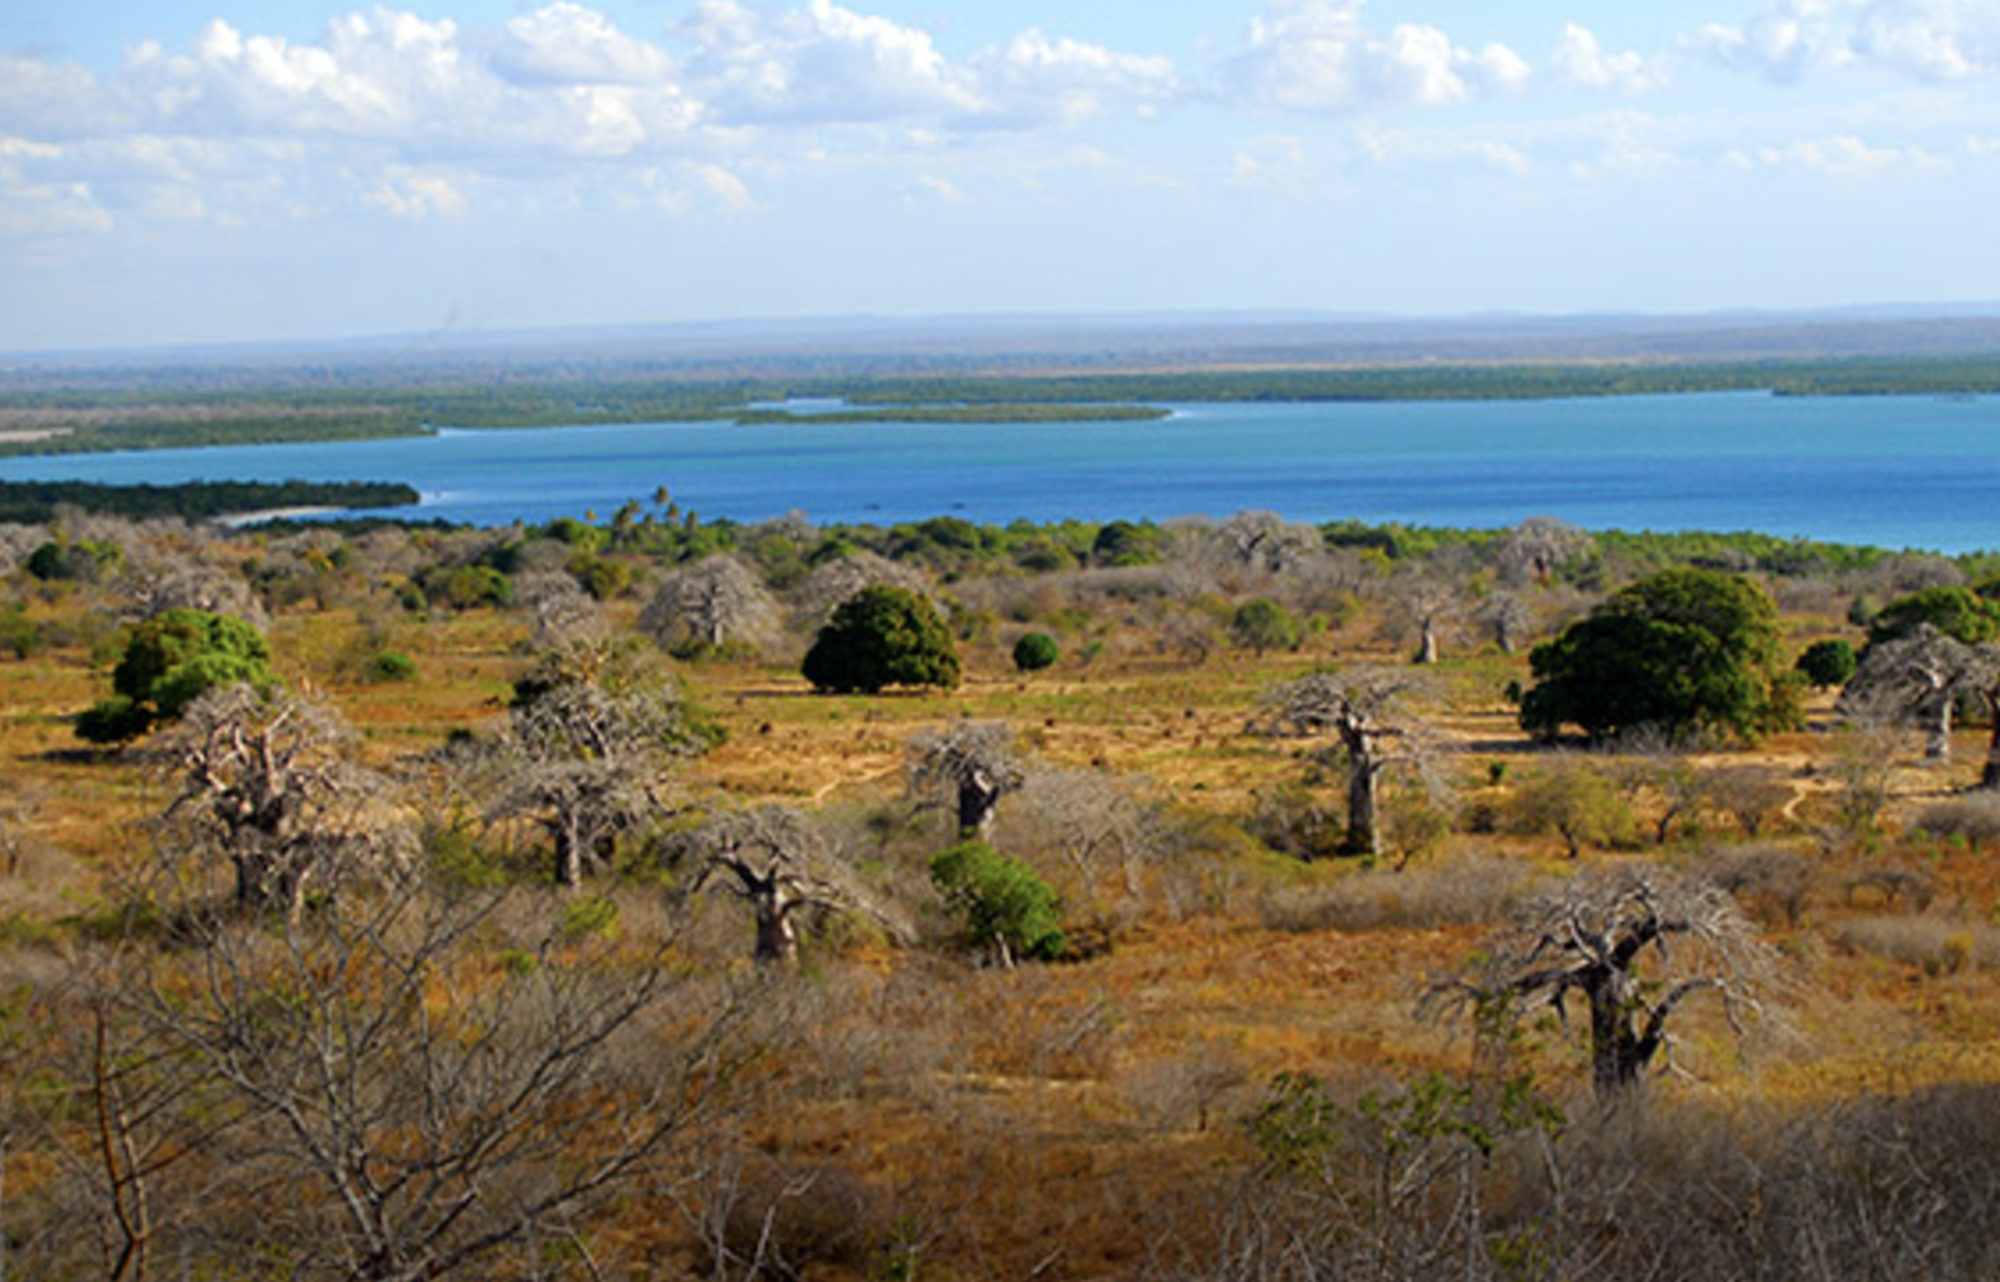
x=241 y=411
x=36 y=502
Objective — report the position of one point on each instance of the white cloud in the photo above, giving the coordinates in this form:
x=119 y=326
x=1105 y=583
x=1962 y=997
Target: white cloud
x=728 y=190
x=940 y=190
x=1845 y=156
x=1319 y=56
x=418 y=195
x=1035 y=77
x=821 y=63
x=1937 y=40
x=1582 y=60
x=567 y=44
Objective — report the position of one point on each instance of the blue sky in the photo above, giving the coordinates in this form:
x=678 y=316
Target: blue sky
x=177 y=171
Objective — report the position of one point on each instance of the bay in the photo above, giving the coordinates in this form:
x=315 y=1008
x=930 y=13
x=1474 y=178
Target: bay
x=1899 y=472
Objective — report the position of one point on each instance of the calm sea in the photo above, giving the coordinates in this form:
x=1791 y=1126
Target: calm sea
x=1892 y=471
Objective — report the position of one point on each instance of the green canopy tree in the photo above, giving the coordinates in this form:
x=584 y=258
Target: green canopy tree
x=883 y=636
x=1684 y=651
x=171 y=660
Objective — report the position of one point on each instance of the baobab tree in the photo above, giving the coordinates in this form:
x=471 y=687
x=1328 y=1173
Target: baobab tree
x=1370 y=715
x=270 y=779
x=715 y=601
x=1921 y=673
x=588 y=748
x=972 y=763
x=783 y=865
x=1635 y=943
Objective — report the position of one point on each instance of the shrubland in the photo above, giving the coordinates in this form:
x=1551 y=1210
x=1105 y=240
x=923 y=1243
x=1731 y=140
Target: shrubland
x=531 y=916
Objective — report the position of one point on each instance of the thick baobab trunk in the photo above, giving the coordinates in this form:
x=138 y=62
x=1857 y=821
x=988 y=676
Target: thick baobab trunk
x=978 y=802
x=1427 y=644
x=1937 y=744
x=777 y=942
x=1363 y=833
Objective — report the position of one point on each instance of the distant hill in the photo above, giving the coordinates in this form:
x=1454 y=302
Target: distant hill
x=1036 y=344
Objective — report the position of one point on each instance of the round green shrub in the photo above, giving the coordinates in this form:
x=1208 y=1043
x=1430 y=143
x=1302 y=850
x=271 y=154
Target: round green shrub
x=1036 y=651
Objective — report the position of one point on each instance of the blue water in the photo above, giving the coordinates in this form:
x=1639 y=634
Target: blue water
x=1892 y=471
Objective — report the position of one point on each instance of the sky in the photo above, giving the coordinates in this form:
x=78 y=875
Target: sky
x=201 y=171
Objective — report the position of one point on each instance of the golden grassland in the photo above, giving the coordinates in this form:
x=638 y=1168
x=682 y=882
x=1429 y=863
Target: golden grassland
x=1097 y=1092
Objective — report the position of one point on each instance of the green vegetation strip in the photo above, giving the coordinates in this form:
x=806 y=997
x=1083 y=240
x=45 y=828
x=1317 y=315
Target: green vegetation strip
x=35 y=502
x=224 y=406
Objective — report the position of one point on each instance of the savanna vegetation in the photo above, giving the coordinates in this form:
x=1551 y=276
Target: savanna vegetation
x=1208 y=900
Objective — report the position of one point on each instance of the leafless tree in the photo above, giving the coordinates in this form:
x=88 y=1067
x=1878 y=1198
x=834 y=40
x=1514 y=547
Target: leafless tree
x=1093 y=821
x=366 y=1095
x=1537 y=547
x=826 y=587
x=1506 y=618
x=784 y=865
x=271 y=780
x=1371 y=715
x=716 y=600
x=972 y=763
x=1635 y=942
x=1426 y=602
x=588 y=749
x=1921 y=674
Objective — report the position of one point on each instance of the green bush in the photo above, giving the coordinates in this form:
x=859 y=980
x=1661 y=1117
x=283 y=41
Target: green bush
x=392 y=666
x=1036 y=651
x=1005 y=903
x=1828 y=663
x=169 y=661
x=1262 y=625
x=1682 y=651
x=883 y=636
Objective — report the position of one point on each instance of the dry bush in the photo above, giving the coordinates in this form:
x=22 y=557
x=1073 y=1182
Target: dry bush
x=1472 y=889
x=1934 y=945
x=760 y=1217
x=1748 y=794
x=1030 y=1023
x=1876 y=1188
x=1190 y=1091
x=1771 y=881
x=1893 y=884
x=1973 y=818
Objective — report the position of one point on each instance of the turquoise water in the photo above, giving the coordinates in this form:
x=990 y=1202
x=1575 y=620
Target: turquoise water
x=1894 y=471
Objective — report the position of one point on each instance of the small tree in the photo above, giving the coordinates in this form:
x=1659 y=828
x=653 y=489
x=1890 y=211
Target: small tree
x=879 y=637
x=589 y=743
x=1006 y=904
x=708 y=605
x=973 y=764
x=171 y=660
x=783 y=865
x=1368 y=713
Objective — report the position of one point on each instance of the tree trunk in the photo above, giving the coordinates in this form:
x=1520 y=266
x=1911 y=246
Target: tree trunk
x=569 y=855
x=1427 y=644
x=1989 y=778
x=1618 y=1055
x=978 y=802
x=1362 y=835
x=1938 y=745
x=777 y=942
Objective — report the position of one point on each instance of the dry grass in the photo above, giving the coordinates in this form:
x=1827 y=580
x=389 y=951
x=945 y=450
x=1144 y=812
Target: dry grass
x=1054 y=1117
